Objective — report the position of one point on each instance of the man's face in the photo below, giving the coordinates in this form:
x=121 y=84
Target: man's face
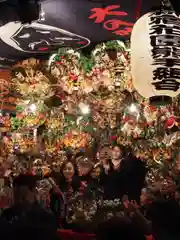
x=104 y=155
x=116 y=153
x=96 y=172
x=83 y=170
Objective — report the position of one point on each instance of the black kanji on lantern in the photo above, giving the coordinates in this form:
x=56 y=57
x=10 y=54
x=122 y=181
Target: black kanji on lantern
x=165 y=42
x=167 y=84
x=166 y=78
x=162 y=72
x=167 y=62
x=168 y=51
x=166 y=18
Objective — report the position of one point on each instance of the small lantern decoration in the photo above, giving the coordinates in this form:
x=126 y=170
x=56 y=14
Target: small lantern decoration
x=155 y=55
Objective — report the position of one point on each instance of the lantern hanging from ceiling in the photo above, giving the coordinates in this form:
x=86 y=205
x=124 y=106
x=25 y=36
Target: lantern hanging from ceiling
x=155 y=55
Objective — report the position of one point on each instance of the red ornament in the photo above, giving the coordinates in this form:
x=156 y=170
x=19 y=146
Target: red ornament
x=58 y=63
x=113 y=138
x=41 y=115
x=73 y=77
x=170 y=122
x=61 y=97
x=19 y=116
x=152 y=108
x=125 y=119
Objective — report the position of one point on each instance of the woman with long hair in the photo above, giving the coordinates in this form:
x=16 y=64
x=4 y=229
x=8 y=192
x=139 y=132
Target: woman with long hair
x=68 y=171
x=63 y=190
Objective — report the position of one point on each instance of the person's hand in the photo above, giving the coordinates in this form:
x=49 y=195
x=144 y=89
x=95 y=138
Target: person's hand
x=52 y=182
x=133 y=206
x=7 y=173
x=125 y=201
x=106 y=168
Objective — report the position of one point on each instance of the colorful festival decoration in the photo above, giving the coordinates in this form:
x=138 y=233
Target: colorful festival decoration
x=5 y=123
x=152 y=132
x=112 y=65
x=19 y=142
x=66 y=68
x=76 y=140
x=98 y=104
x=32 y=80
x=29 y=115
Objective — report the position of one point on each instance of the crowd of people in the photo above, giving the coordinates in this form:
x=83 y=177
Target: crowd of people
x=116 y=177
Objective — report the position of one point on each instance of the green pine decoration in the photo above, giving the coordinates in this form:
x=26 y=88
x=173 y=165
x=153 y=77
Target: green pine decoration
x=86 y=63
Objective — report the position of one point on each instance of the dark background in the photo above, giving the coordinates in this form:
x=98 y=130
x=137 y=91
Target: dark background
x=73 y=16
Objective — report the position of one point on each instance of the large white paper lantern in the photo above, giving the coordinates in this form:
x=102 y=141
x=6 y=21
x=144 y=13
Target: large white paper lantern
x=155 y=54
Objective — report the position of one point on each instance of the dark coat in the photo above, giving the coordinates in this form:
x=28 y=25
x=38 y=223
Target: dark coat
x=127 y=180
x=32 y=214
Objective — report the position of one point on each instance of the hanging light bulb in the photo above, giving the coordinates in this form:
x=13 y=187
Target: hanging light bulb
x=32 y=108
x=85 y=109
x=133 y=108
